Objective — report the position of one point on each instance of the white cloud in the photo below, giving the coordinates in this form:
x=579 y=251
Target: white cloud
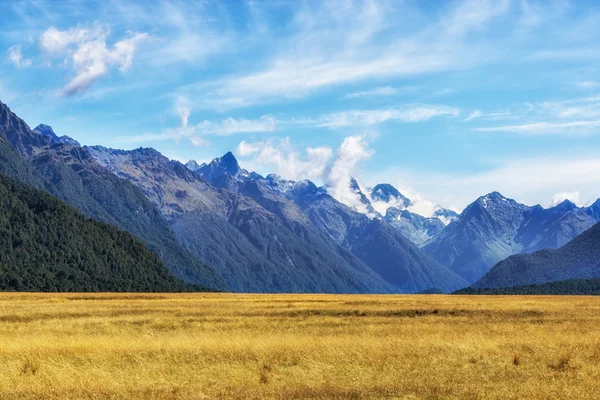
x=409 y=113
x=315 y=163
x=382 y=91
x=587 y=84
x=186 y=32
x=352 y=151
x=576 y=116
x=335 y=44
x=184 y=130
x=197 y=133
x=473 y=115
x=419 y=205
x=546 y=128
x=566 y=54
x=87 y=51
x=16 y=57
x=246 y=149
x=279 y=156
x=230 y=126
x=474 y=15
x=560 y=197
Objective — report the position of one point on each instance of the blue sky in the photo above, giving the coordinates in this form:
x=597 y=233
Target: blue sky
x=447 y=100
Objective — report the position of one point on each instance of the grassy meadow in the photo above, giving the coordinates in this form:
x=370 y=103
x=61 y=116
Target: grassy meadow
x=206 y=346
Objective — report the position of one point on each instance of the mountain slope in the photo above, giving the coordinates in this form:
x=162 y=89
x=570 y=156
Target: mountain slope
x=493 y=228
x=578 y=259
x=414 y=227
x=375 y=242
x=46 y=245
x=46 y=130
x=389 y=195
x=258 y=242
x=69 y=173
x=385 y=202
x=311 y=213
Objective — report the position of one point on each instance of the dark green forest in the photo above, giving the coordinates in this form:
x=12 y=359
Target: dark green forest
x=46 y=245
x=568 y=287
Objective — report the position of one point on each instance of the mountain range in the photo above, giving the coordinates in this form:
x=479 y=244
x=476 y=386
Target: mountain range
x=269 y=234
x=493 y=228
x=578 y=259
x=71 y=174
x=223 y=227
x=385 y=202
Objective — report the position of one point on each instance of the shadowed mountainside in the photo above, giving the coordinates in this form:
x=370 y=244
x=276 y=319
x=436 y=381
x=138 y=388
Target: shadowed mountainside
x=46 y=245
x=69 y=173
x=578 y=259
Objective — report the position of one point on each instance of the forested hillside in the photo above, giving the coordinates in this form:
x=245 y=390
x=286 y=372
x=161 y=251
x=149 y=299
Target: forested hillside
x=46 y=245
x=568 y=287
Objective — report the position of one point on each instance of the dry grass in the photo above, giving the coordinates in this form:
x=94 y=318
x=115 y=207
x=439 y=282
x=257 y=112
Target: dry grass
x=194 y=346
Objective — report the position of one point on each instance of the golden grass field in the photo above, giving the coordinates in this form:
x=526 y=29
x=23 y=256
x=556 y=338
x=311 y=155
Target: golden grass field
x=196 y=346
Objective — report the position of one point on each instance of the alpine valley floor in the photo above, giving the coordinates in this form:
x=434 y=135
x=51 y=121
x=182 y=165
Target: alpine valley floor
x=195 y=346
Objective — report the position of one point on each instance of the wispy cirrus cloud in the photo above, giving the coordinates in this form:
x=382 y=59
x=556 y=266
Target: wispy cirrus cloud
x=545 y=128
x=407 y=113
x=197 y=133
x=382 y=91
x=230 y=126
x=575 y=116
x=335 y=45
x=587 y=84
x=472 y=115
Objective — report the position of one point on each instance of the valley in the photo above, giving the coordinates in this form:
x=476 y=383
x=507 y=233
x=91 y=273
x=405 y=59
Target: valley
x=240 y=346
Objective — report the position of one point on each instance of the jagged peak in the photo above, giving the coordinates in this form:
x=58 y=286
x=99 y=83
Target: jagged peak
x=227 y=162
x=494 y=196
x=144 y=151
x=192 y=165
x=229 y=157
x=44 y=129
x=565 y=205
x=387 y=193
x=386 y=188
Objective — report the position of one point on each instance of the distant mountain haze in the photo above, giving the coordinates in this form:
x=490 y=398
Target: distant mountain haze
x=578 y=259
x=493 y=228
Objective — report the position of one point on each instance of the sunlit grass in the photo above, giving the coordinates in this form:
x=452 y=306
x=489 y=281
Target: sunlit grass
x=189 y=346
